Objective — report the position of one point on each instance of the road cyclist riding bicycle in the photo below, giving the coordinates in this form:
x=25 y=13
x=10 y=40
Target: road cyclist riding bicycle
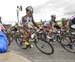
x=54 y=26
x=28 y=24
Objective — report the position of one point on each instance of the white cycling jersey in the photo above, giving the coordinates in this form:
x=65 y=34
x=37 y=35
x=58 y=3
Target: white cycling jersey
x=29 y=22
x=47 y=23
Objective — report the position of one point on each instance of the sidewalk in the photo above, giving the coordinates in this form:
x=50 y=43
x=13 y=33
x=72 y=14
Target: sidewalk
x=12 y=57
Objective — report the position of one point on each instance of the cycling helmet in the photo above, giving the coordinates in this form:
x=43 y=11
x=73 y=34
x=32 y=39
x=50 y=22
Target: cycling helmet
x=29 y=8
x=53 y=16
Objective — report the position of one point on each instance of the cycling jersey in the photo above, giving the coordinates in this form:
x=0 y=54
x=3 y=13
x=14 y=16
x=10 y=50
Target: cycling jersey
x=55 y=25
x=28 y=21
x=72 y=23
x=72 y=20
x=47 y=24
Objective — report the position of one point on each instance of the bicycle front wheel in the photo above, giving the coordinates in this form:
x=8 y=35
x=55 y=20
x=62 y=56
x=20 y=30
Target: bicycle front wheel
x=10 y=39
x=44 y=47
x=20 y=42
x=68 y=44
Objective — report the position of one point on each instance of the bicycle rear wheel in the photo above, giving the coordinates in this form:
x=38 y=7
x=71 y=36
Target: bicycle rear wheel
x=44 y=47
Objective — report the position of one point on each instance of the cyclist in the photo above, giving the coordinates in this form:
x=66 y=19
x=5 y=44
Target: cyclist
x=28 y=23
x=66 y=24
x=54 y=26
x=72 y=22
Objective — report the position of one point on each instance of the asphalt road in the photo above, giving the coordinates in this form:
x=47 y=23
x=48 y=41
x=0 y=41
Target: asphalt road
x=33 y=54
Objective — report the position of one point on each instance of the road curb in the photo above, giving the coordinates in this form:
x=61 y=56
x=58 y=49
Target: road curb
x=12 y=56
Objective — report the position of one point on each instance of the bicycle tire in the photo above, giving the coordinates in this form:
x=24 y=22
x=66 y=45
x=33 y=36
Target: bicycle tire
x=20 y=39
x=50 y=46
x=9 y=39
x=67 y=47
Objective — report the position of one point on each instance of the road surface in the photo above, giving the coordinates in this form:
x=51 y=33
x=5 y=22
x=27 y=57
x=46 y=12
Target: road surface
x=33 y=54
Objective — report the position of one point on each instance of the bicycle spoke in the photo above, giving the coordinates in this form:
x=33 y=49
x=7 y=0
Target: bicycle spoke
x=69 y=45
x=44 y=47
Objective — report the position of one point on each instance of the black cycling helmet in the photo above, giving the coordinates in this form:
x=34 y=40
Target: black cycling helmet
x=29 y=8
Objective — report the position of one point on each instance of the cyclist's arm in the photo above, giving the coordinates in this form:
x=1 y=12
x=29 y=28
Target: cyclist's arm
x=34 y=23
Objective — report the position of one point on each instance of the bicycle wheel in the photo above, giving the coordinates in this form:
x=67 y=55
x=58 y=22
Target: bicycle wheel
x=20 y=42
x=10 y=39
x=68 y=44
x=44 y=47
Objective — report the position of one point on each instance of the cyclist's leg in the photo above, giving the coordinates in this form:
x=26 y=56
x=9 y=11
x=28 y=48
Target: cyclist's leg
x=26 y=36
x=50 y=34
